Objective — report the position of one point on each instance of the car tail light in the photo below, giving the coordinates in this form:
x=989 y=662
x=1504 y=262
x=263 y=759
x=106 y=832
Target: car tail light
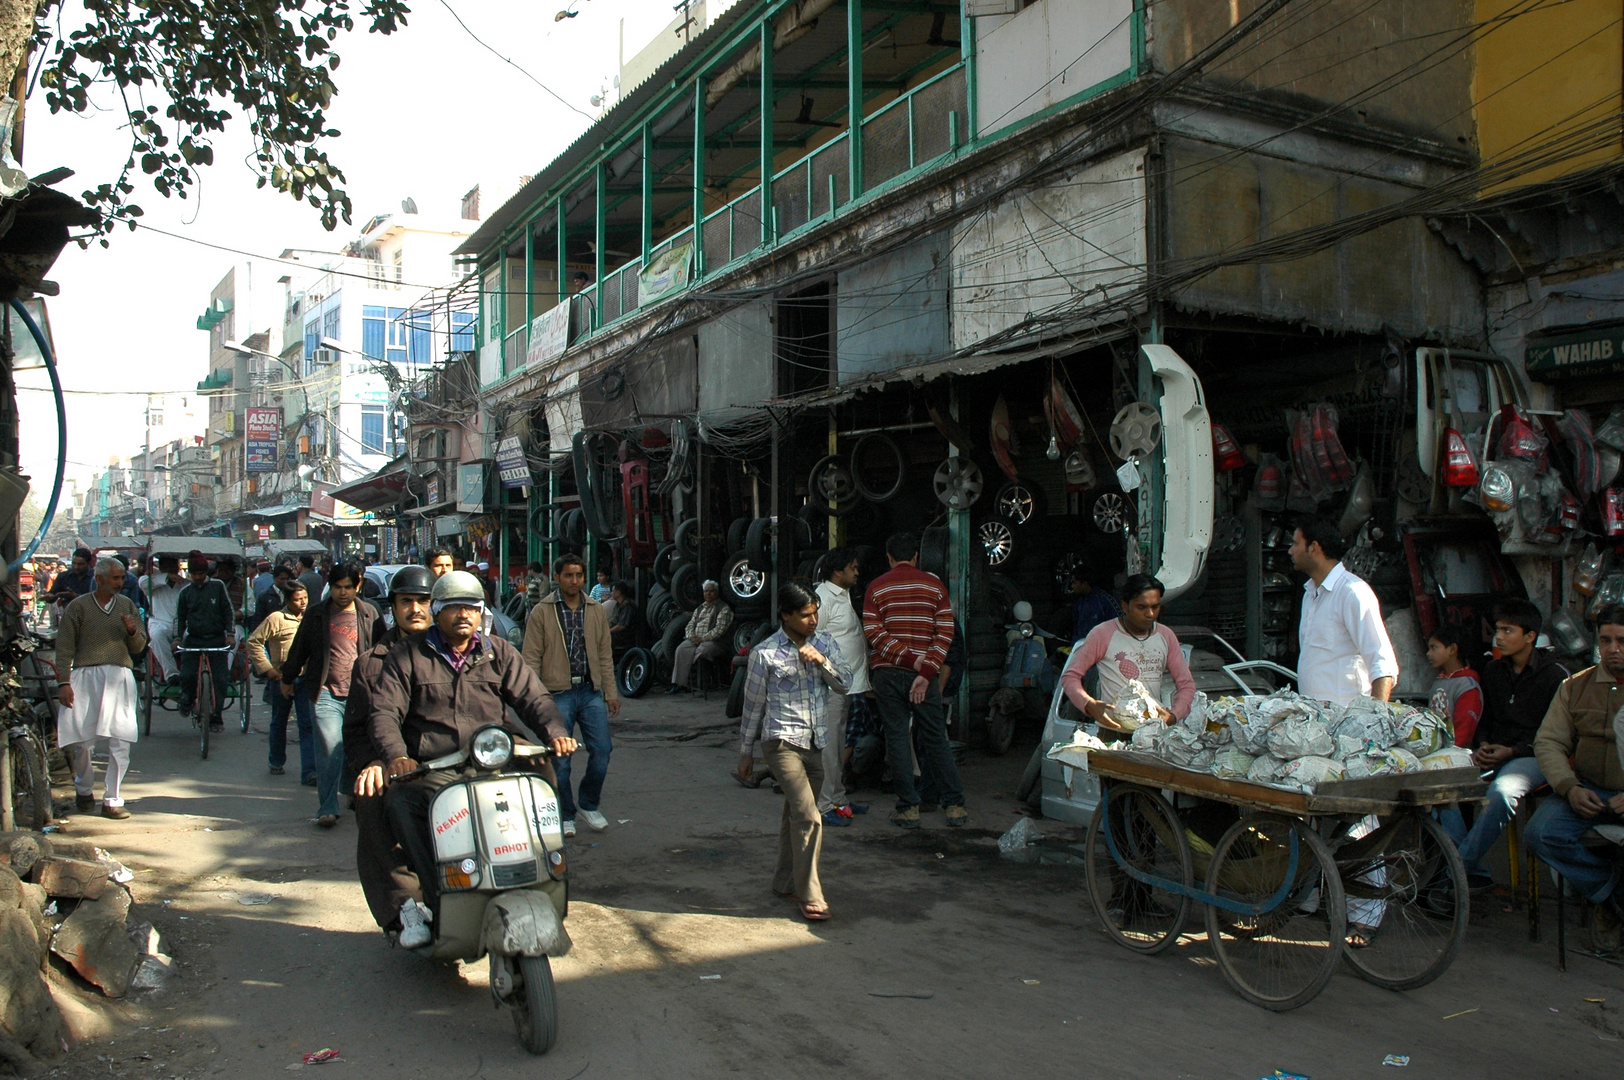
x=1268 y=481
x=1612 y=512
x=1225 y=450
x=1567 y=513
x=1459 y=468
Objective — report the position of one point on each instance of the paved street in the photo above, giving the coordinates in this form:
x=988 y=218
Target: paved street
x=1008 y=972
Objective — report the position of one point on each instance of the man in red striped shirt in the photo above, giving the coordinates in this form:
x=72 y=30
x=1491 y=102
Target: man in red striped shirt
x=909 y=626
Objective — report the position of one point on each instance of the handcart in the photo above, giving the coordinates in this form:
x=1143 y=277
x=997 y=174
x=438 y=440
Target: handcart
x=1286 y=876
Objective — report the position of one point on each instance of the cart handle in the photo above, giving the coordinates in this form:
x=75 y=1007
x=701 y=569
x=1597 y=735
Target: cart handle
x=1180 y=889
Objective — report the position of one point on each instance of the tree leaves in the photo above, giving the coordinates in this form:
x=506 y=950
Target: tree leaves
x=271 y=59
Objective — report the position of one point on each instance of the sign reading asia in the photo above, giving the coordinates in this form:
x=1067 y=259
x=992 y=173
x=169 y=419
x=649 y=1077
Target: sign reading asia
x=1589 y=352
x=511 y=465
x=261 y=439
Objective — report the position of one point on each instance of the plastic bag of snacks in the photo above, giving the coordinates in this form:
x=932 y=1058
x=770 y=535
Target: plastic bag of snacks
x=1450 y=757
x=1248 y=729
x=1298 y=736
x=1423 y=732
x=1147 y=738
x=1306 y=772
x=1135 y=706
x=1394 y=759
x=1372 y=722
x=1265 y=769
x=1232 y=764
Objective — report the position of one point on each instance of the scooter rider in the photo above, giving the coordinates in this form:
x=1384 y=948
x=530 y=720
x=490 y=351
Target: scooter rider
x=390 y=887
x=434 y=692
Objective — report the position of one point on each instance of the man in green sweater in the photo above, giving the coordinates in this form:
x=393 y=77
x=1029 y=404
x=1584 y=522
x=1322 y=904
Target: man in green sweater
x=100 y=633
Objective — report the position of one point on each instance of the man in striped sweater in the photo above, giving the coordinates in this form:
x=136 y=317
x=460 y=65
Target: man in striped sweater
x=909 y=627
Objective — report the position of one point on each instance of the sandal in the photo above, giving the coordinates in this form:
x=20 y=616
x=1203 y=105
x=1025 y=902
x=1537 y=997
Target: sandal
x=812 y=914
x=1360 y=937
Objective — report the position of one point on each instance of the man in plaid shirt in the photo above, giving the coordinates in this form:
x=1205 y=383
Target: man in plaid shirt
x=786 y=710
x=909 y=627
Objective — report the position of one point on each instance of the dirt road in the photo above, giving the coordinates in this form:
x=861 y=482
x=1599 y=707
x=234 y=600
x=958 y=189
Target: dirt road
x=686 y=966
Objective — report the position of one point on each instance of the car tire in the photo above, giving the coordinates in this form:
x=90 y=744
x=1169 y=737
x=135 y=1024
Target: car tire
x=685 y=586
x=735 y=693
x=634 y=673
x=663 y=560
x=686 y=539
x=743 y=604
x=736 y=533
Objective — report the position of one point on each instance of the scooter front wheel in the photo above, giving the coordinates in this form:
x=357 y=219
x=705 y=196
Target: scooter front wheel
x=535 y=1014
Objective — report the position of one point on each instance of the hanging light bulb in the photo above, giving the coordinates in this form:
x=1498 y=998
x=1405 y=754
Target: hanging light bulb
x=1053 y=453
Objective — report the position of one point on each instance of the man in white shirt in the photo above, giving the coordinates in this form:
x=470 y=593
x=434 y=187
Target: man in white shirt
x=838 y=618
x=163 y=589
x=1343 y=649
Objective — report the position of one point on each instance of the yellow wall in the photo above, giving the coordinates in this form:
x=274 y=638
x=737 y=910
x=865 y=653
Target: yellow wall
x=1542 y=78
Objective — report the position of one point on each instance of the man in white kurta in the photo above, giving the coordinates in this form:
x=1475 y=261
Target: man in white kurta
x=96 y=643
x=163 y=591
x=839 y=618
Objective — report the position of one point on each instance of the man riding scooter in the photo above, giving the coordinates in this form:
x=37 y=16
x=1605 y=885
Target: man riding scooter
x=435 y=691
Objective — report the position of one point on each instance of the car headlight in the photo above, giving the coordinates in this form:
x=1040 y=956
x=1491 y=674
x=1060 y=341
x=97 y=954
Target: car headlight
x=515 y=636
x=1498 y=490
x=492 y=748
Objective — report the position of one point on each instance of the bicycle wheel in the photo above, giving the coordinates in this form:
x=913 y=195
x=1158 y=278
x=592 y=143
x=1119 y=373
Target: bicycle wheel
x=205 y=701
x=146 y=694
x=1149 y=843
x=1410 y=866
x=1282 y=957
x=245 y=693
x=30 y=783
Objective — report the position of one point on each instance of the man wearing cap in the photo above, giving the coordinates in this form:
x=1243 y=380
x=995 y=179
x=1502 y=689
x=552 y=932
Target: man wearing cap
x=704 y=638
x=435 y=691
x=566 y=643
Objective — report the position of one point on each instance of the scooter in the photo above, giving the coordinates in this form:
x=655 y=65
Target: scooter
x=499 y=854
x=1027 y=682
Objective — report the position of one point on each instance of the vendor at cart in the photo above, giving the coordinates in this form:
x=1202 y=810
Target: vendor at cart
x=1344 y=651
x=1132 y=646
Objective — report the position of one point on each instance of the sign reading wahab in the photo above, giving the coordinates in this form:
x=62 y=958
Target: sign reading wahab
x=1599 y=351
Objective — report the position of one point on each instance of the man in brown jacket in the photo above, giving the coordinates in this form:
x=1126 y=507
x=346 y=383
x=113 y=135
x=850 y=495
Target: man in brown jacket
x=1590 y=790
x=566 y=643
x=435 y=691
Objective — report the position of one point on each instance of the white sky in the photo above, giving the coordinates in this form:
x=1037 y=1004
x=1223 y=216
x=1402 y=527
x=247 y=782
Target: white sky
x=425 y=113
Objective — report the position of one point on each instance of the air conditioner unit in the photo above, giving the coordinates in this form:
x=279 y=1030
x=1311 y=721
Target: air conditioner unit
x=326 y=356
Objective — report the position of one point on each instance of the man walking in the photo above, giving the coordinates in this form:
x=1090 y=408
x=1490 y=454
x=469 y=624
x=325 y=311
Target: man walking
x=310 y=577
x=909 y=626
x=75 y=581
x=703 y=638
x=267 y=647
x=566 y=643
x=100 y=633
x=839 y=619
x=331 y=636
x=1518 y=688
x=203 y=620
x=163 y=590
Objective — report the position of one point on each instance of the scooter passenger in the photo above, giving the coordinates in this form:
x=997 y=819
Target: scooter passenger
x=434 y=692
x=391 y=889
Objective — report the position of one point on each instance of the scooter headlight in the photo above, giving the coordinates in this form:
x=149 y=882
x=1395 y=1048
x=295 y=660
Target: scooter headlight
x=492 y=748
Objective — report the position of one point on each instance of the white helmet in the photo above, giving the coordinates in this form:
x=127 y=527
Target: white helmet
x=1022 y=611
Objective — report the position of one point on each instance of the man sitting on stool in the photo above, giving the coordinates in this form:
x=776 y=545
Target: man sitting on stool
x=1579 y=729
x=704 y=638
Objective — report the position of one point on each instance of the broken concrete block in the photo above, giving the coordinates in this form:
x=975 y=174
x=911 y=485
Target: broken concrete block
x=144 y=936
x=94 y=941
x=30 y=1016
x=74 y=849
x=152 y=972
x=11 y=888
x=21 y=851
x=72 y=877
x=33 y=898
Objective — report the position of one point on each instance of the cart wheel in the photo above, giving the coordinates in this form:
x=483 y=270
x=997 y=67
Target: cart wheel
x=1148 y=840
x=1282 y=957
x=146 y=694
x=1410 y=867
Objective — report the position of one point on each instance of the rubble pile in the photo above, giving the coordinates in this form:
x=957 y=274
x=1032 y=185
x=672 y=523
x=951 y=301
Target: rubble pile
x=1288 y=741
x=66 y=897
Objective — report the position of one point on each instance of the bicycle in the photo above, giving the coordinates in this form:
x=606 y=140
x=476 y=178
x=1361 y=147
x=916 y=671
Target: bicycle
x=27 y=709
x=203 y=704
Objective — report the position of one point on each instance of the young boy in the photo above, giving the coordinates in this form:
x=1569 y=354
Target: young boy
x=1458 y=693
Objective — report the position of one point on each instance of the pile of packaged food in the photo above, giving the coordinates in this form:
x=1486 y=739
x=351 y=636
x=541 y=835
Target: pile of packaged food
x=1289 y=741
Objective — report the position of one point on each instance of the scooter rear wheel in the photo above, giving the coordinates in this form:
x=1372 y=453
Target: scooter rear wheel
x=536 y=1015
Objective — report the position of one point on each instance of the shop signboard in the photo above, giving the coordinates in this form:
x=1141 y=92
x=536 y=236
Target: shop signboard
x=511 y=464
x=549 y=335
x=1589 y=352
x=470 y=489
x=434 y=489
x=263 y=426
x=666 y=273
x=263 y=531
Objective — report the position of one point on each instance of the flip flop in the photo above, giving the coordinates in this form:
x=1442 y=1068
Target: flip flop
x=1360 y=937
x=812 y=914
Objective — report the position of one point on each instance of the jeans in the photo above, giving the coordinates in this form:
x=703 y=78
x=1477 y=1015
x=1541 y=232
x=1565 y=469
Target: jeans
x=584 y=707
x=305 y=716
x=1509 y=787
x=329 y=751
x=939 y=776
x=219 y=667
x=1553 y=834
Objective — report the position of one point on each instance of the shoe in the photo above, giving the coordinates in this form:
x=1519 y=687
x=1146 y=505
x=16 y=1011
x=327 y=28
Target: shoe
x=217 y=725
x=907 y=818
x=594 y=820
x=117 y=813
x=1606 y=929
x=928 y=807
x=310 y=781
x=1478 y=883
x=569 y=826
x=673 y=689
x=173 y=680
x=414 y=925
x=327 y=821
x=957 y=817
x=834 y=817
x=84 y=802
x=277 y=770
x=857 y=807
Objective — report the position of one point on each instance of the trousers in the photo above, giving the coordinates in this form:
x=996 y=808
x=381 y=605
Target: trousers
x=833 y=791
x=84 y=771
x=938 y=775
x=387 y=881
x=800 y=831
x=687 y=654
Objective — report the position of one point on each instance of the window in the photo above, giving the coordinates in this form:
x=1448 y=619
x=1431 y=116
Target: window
x=372 y=429
x=396 y=353
x=462 y=331
x=372 y=332
x=312 y=338
x=422 y=327
x=329 y=321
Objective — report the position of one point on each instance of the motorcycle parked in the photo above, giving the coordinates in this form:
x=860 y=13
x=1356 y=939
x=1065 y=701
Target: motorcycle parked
x=499 y=856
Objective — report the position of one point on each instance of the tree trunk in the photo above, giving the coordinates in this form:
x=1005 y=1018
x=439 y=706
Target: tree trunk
x=16 y=26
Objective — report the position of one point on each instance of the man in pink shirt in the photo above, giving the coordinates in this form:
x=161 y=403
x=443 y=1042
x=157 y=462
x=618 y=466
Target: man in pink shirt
x=1132 y=646
x=909 y=625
